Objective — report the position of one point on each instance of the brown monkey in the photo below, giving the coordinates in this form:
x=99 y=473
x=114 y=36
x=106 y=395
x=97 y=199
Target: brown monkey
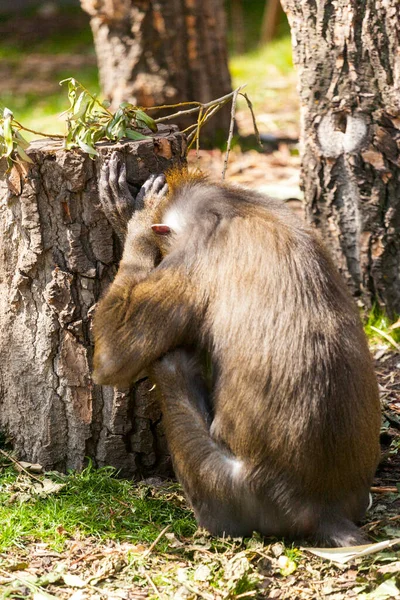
x=285 y=441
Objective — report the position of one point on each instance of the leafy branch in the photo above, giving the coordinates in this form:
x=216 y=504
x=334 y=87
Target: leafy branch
x=89 y=121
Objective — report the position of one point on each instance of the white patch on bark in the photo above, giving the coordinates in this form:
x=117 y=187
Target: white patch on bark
x=334 y=142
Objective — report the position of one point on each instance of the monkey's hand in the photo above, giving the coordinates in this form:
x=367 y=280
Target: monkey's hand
x=151 y=193
x=116 y=199
x=141 y=249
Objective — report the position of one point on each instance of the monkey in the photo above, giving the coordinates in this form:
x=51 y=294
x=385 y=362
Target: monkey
x=282 y=437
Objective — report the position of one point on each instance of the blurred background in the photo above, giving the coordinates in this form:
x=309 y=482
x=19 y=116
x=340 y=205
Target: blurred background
x=43 y=42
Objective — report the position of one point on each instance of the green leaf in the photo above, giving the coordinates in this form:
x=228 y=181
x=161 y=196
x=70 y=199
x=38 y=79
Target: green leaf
x=147 y=121
x=20 y=139
x=91 y=150
x=80 y=107
x=24 y=155
x=7 y=131
x=135 y=135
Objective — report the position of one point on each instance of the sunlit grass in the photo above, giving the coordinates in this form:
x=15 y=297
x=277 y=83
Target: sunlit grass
x=263 y=70
x=92 y=503
x=379 y=328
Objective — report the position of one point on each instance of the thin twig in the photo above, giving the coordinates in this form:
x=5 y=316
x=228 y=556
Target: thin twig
x=374 y=523
x=152 y=584
x=199 y=119
x=49 y=135
x=384 y=490
x=192 y=136
x=164 y=106
x=18 y=464
x=253 y=116
x=223 y=100
x=154 y=544
x=230 y=135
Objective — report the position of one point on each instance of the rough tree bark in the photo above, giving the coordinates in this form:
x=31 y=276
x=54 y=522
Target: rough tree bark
x=58 y=254
x=160 y=52
x=347 y=55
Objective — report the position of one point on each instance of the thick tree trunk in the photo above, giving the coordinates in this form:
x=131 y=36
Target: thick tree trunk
x=58 y=254
x=154 y=53
x=347 y=55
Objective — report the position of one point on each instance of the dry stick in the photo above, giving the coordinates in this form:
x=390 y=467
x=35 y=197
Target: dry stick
x=50 y=135
x=154 y=544
x=384 y=490
x=199 y=118
x=253 y=116
x=209 y=113
x=15 y=462
x=373 y=523
x=152 y=584
x=230 y=136
x=223 y=100
x=193 y=136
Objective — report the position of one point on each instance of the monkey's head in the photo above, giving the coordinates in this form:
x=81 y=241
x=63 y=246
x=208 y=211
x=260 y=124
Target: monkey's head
x=185 y=206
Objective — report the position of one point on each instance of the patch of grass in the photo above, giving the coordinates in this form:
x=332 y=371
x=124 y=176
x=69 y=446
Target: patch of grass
x=92 y=503
x=264 y=71
x=379 y=328
x=42 y=112
x=40 y=101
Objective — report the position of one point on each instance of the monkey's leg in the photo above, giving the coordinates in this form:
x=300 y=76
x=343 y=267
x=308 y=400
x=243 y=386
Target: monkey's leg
x=214 y=480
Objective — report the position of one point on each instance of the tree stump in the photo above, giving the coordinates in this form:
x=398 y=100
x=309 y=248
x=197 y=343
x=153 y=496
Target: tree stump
x=58 y=255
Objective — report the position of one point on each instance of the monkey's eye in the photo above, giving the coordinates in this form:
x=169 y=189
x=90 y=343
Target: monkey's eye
x=161 y=229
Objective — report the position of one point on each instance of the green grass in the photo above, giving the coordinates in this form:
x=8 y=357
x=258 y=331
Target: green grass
x=40 y=110
x=42 y=113
x=261 y=68
x=92 y=503
x=378 y=327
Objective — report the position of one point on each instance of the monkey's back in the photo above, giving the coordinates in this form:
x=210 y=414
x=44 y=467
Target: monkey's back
x=295 y=394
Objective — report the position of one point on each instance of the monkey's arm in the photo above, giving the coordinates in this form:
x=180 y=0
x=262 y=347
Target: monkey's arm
x=137 y=323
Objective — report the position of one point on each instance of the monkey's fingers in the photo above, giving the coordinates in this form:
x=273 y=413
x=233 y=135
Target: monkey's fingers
x=155 y=189
x=105 y=195
x=125 y=202
x=109 y=202
x=139 y=201
x=114 y=175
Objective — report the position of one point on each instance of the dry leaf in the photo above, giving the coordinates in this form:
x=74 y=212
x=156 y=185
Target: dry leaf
x=344 y=555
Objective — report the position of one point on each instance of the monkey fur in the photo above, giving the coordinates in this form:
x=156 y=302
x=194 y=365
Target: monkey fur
x=284 y=440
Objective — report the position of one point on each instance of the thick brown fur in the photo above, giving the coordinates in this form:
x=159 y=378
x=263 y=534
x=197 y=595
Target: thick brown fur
x=286 y=442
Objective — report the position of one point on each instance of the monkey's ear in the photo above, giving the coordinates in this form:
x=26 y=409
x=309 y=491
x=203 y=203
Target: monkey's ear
x=161 y=229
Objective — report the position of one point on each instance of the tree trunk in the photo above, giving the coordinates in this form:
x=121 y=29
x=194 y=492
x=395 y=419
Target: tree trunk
x=238 y=29
x=347 y=55
x=154 y=53
x=270 y=21
x=58 y=254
